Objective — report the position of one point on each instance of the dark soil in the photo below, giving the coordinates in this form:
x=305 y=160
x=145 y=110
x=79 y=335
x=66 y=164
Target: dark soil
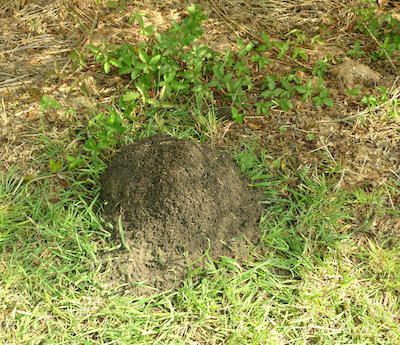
x=176 y=200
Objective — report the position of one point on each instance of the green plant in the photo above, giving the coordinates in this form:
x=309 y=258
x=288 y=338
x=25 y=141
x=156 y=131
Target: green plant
x=279 y=91
x=105 y=132
x=323 y=98
x=118 y=5
x=78 y=59
x=382 y=27
x=76 y=161
x=246 y=49
x=47 y=103
x=283 y=48
x=306 y=90
x=300 y=36
x=236 y=116
x=316 y=39
x=276 y=95
x=261 y=59
x=299 y=52
x=321 y=67
x=356 y=52
x=172 y=67
x=354 y=92
x=54 y=166
x=372 y=101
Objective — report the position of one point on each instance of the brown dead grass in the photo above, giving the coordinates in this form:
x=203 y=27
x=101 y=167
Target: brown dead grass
x=38 y=36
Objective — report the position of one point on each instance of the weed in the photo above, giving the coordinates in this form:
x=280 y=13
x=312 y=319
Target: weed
x=354 y=92
x=372 y=101
x=323 y=98
x=383 y=28
x=47 y=103
x=306 y=90
x=356 y=52
x=321 y=67
x=282 y=47
x=316 y=39
x=173 y=67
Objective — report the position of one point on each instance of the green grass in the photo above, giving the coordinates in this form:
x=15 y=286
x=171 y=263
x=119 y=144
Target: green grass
x=312 y=282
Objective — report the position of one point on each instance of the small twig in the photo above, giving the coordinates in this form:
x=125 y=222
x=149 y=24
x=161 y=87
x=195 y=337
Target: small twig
x=338 y=185
x=327 y=150
x=390 y=197
x=394 y=173
x=363 y=166
x=4 y=115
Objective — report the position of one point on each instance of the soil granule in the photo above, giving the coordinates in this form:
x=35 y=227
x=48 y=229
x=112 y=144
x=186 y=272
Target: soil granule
x=175 y=200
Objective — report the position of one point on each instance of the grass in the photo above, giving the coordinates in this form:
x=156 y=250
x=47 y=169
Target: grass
x=315 y=279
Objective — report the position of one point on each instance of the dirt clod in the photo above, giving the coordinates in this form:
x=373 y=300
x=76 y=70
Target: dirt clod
x=175 y=200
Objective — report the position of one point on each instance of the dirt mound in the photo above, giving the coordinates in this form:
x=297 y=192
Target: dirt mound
x=175 y=200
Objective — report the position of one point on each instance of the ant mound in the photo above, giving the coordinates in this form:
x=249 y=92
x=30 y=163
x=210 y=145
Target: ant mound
x=169 y=202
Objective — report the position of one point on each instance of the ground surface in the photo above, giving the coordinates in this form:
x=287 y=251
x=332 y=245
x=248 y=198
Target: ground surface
x=329 y=268
x=360 y=147
x=176 y=200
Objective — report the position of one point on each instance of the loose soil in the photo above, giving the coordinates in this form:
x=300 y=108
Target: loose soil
x=175 y=200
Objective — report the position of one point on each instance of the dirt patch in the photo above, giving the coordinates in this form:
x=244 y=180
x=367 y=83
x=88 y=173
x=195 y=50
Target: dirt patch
x=175 y=200
x=352 y=74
